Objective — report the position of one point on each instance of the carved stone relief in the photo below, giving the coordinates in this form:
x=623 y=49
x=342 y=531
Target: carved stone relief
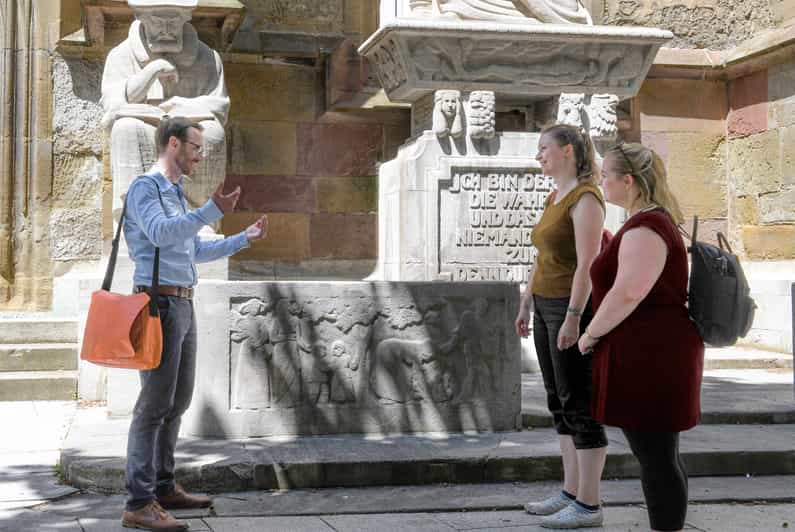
x=499 y=61
x=288 y=353
x=391 y=70
x=524 y=62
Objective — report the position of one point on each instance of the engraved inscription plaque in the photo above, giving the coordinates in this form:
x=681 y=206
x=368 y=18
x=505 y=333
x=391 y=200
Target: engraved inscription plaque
x=485 y=220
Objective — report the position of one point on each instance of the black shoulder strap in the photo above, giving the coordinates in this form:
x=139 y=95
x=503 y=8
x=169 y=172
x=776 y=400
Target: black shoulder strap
x=694 y=236
x=107 y=282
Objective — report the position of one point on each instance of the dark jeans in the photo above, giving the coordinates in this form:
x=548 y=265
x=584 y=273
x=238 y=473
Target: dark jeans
x=165 y=395
x=663 y=476
x=567 y=374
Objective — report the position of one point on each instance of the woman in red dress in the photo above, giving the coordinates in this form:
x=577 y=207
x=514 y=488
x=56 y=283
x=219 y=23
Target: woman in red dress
x=648 y=357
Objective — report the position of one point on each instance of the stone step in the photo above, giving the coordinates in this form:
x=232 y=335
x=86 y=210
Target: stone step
x=38 y=385
x=34 y=331
x=730 y=397
x=93 y=457
x=484 y=497
x=38 y=357
x=745 y=358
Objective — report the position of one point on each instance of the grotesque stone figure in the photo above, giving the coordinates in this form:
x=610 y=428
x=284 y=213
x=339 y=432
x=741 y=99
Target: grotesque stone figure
x=163 y=68
x=538 y=11
x=571 y=109
x=604 y=117
x=482 y=115
x=448 y=114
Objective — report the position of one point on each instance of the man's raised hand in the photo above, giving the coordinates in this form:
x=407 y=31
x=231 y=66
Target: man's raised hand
x=258 y=230
x=226 y=202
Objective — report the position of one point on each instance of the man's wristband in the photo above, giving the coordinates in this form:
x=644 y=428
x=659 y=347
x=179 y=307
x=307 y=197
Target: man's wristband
x=572 y=310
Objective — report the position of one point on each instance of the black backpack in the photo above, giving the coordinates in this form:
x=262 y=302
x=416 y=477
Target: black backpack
x=718 y=298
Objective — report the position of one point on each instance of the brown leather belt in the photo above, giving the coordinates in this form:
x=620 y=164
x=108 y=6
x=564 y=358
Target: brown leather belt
x=178 y=291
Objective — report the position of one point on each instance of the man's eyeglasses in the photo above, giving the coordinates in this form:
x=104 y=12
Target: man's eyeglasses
x=198 y=147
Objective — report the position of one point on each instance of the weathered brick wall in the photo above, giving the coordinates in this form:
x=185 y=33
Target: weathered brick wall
x=683 y=121
x=761 y=162
x=312 y=171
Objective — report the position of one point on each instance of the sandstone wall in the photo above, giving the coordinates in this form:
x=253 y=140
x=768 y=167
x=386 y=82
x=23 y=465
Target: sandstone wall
x=761 y=162
x=312 y=171
x=26 y=42
x=78 y=175
x=683 y=120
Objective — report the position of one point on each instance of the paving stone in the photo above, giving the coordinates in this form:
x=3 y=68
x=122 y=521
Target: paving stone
x=25 y=490
x=388 y=523
x=86 y=504
x=741 y=518
x=33 y=521
x=480 y=520
x=90 y=524
x=258 y=524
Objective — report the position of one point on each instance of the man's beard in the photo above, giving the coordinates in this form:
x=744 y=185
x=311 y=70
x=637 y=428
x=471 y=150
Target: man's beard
x=183 y=161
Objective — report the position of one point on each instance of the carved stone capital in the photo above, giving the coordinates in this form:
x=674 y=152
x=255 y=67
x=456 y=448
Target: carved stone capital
x=522 y=61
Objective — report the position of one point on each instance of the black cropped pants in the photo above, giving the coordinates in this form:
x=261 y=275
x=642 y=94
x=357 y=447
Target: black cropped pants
x=567 y=374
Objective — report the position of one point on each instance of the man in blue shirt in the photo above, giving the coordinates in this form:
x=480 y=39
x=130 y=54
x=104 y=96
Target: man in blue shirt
x=157 y=216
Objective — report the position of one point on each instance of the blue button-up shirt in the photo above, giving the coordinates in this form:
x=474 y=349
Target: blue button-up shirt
x=171 y=227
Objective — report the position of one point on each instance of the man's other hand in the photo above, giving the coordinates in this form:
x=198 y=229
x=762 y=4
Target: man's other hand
x=226 y=202
x=258 y=230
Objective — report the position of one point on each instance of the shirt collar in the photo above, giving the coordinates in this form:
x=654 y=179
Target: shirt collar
x=163 y=182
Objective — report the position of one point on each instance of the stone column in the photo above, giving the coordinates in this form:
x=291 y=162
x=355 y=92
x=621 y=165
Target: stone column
x=25 y=153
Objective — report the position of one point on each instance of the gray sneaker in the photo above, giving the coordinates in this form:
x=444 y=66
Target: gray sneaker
x=572 y=516
x=548 y=506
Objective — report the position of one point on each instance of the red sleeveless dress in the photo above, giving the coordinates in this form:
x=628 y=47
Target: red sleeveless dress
x=647 y=371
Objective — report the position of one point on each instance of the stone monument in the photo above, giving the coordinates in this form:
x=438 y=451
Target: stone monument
x=460 y=199
x=163 y=68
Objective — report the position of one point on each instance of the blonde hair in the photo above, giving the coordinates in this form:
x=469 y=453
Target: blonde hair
x=648 y=169
x=584 y=153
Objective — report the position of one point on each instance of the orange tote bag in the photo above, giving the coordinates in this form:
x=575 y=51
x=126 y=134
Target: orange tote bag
x=123 y=331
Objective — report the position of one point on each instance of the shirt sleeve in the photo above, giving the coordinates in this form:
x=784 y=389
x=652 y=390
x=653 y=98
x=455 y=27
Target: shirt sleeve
x=207 y=251
x=146 y=210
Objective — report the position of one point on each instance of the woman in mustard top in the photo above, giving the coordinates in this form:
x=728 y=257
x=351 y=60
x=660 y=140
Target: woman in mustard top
x=568 y=238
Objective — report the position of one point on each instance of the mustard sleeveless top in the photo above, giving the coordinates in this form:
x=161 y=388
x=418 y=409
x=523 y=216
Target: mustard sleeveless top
x=553 y=237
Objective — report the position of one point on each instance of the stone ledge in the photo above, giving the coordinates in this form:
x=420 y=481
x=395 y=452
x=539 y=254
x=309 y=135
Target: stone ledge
x=528 y=61
x=93 y=457
x=770 y=48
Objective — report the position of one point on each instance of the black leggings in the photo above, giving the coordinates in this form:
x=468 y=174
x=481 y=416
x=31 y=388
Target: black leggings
x=663 y=476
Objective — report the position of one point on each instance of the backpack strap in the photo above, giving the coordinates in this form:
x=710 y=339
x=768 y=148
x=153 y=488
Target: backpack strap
x=695 y=230
x=722 y=241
